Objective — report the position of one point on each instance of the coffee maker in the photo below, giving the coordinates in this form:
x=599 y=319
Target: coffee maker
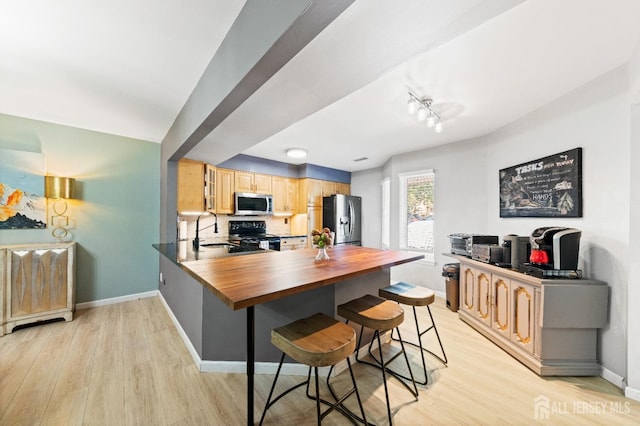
x=555 y=248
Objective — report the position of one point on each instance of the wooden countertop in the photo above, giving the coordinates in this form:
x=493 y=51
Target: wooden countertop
x=243 y=281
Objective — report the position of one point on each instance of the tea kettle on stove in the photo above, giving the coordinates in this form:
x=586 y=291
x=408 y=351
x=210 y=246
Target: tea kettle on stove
x=555 y=247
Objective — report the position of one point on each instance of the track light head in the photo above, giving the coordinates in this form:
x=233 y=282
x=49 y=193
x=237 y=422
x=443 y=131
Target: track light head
x=412 y=106
x=425 y=112
x=422 y=113
x=431 y=120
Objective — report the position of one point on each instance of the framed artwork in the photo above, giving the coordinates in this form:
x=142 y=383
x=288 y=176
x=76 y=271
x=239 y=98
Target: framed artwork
x=22 y=202
x=546 y=187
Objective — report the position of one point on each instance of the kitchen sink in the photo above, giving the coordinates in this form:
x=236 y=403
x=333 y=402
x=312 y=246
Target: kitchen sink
x=228 y=248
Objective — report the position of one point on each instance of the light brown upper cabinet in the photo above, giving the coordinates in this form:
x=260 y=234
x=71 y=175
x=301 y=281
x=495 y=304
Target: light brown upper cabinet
x=252 y=182
x=328 y=188
x=343 y=188
x=209 y=188
x=310 y=193
x=285 y=195
x=191 y=186
x=224 y=191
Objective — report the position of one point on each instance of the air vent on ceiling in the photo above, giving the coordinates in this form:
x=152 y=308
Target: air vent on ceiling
x=361 y=159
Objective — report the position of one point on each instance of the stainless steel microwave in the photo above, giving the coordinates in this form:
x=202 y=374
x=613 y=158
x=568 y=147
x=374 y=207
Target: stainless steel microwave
x=249 y=204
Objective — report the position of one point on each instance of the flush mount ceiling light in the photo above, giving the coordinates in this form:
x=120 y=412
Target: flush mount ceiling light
x=296 y=152
x=424 y=112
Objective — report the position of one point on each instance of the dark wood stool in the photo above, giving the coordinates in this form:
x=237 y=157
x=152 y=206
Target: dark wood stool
x=412 y=295
x=379 y=315
x=316 y=341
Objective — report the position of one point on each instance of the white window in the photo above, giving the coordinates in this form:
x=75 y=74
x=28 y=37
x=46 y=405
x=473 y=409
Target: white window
x=386 y=213
x=416 y=212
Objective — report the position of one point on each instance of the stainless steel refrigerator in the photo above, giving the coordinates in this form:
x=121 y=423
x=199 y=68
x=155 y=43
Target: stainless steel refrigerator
x=341 y=214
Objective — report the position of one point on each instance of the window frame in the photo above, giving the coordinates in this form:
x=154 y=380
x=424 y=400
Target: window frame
x=402 y=210
x=385 y=188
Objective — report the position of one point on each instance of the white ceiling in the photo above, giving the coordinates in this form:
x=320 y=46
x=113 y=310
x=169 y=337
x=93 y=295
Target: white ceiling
x=127 y=68
x=118 y=66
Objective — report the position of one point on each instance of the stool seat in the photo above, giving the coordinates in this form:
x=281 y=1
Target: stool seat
x=372 y=312
x=317 y=341
x=408 y=294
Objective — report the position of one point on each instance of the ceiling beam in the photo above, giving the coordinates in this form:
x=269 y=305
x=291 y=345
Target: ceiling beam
x=264 y=37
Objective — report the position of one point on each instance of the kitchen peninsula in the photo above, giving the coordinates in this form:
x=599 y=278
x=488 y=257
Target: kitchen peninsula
x=274 y=288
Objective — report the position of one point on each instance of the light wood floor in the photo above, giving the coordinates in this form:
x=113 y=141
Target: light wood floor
x=125 y=364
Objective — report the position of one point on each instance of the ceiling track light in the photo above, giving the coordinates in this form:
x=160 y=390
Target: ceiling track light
x=424 y=112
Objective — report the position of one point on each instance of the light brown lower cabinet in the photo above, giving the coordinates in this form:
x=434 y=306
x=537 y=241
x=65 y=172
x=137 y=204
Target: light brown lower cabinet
x=550 y=325
x=38 y=283
x=293 y=243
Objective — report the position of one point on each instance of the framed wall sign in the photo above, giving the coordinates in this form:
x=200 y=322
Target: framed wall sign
x=546 y=187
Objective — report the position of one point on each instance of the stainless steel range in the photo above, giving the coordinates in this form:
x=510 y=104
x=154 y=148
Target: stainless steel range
x=252 y=233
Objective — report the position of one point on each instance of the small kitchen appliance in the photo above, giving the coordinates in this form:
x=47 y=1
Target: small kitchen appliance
x=250 y=204
x=554 y=252
x=462 y=244
x=517 y=250
x=487 y=253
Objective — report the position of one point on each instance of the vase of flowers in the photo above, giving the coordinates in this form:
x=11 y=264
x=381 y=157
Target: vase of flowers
x=321 y=240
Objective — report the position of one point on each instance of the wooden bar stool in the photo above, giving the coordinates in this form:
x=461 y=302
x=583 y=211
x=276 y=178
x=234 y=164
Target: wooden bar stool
x=316 y=341
x=412 y=295
x=379 y=315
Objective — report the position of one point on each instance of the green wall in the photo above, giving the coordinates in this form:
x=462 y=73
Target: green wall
x=116 y=216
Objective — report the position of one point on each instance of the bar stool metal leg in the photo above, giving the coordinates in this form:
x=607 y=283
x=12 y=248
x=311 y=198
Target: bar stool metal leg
x=442 y=358
x=379 y=362
x=382 y=365
x=273 y=386
x=318 y=415
x=352 y=416
x=379 y=315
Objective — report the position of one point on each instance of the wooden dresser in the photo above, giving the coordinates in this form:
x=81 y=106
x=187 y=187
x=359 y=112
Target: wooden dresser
x=550 y=325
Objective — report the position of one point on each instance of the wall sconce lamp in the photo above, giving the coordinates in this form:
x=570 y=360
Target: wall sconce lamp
x=60 y=189
x=424 y=112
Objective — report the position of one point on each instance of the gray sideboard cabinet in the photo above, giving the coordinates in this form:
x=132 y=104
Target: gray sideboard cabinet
x=37 y=283
x=550 y=325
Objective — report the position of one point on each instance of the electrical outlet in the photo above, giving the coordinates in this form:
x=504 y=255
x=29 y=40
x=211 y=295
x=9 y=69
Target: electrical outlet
x=161 y=277
x=286 y=220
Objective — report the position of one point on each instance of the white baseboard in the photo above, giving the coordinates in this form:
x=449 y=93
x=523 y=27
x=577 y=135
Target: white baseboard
x=632 y=393
x=114 y=300
x=185 y=339
x=290 y=369
x=612 y=377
